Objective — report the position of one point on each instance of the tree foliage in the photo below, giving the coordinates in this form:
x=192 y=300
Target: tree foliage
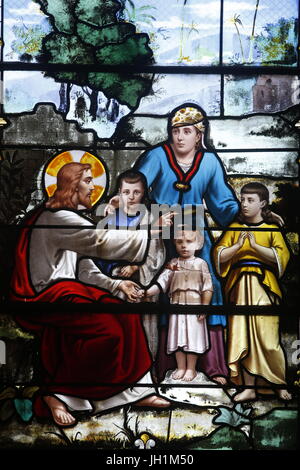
x=28 y=41
x=277 y=44
x=88 y=32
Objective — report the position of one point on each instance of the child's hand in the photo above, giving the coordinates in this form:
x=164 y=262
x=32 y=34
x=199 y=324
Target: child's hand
x=112 y=205
x=201 y=317
x=241 y=239
x=128 y=271
x=165 y=220
x=149 y=293
x=252 y=241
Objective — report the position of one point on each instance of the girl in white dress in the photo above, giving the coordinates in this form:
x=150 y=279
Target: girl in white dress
x=188 y=282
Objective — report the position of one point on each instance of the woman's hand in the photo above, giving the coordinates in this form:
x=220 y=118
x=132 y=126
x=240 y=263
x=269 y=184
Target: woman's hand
x=128 y=271
x=112 y=205
x=132 y=290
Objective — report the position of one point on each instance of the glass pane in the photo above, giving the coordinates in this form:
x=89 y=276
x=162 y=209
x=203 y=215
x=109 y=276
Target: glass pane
x=260 y=32
x=25 y=25
x=253 y=132
x=91 y=109
x=170 y=91
x=98 y=103
x=274 y=164
x=180 y=32
x=261 y=94
x=23 y=90
x=244 y=159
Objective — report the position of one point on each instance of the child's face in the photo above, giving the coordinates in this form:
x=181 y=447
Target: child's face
x=186 y=244
x=131 y=194
x=251 y=205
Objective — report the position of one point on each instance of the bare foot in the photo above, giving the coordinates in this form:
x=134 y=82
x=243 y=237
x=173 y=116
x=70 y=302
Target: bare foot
x=153 y=401
x=221 y=380
x=178 y=374
x=246 y=395
x=189 y=375
x=59 y=412
x=284 y=394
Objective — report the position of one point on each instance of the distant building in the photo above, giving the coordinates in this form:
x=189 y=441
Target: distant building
x=273 y=93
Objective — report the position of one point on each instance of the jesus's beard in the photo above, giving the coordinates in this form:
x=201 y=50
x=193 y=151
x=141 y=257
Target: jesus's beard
x=85 y=201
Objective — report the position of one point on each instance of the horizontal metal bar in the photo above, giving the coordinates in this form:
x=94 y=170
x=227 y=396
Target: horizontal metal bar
x=156 y=386
x=133 y=229
x=153 y=69
x=35 y=308
x=100 y=148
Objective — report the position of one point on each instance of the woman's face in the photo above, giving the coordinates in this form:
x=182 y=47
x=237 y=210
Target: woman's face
x=185 y=139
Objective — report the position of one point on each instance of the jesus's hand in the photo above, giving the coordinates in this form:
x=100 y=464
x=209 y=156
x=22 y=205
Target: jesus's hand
x=131 y=290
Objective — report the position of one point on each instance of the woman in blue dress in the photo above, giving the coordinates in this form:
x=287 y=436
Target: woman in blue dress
x=183 y=171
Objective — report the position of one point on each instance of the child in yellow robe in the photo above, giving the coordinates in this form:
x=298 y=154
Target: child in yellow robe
x=251 y=262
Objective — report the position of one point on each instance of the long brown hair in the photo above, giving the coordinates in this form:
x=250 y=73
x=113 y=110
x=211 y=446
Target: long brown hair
x=263 y=193
x=68 y=178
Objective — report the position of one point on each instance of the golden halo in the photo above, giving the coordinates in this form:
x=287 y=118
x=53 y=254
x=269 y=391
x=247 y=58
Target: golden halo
x=78 y=156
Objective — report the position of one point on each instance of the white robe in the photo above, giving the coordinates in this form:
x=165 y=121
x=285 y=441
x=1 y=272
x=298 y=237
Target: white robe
x=185 y=281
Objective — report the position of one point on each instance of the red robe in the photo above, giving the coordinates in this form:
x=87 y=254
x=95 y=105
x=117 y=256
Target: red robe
x=79 y=351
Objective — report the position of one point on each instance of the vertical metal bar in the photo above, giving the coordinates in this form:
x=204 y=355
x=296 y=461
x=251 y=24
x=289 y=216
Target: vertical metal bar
x=1 y=55
x=221 y=58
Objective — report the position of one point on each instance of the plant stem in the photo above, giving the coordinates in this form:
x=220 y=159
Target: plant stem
x=250 y=59
x=241 y=45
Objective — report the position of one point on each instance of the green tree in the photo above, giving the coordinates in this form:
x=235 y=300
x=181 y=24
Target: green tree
x=88 y=32
x=28 y=41
x=277 y=43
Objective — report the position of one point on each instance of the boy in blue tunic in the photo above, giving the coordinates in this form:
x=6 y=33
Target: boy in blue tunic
x=132 y=193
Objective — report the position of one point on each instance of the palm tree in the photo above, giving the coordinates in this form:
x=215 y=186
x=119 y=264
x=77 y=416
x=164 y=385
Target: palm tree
x=139 y=14
x=250 y=58
x=237 y=21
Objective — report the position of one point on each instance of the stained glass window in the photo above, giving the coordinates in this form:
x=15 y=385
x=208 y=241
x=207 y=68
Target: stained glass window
x=112 y=335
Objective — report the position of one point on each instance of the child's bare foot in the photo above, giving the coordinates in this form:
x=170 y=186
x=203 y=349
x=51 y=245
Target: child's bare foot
x=189 y=375
x=284 y=394
x=178 y=374
x=59 y=412
x=221 y=380
x=246 y=395
x=153 y=401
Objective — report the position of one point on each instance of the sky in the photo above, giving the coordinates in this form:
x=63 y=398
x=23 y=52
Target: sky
x=201 y=19
x=197 y=43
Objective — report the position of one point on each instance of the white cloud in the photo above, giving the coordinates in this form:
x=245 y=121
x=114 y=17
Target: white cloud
x=13 y=21
x=242 y=6
x=20 y=75
x=175 y=22
x=32 y=9
x=212 y=10
x=172 y=23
